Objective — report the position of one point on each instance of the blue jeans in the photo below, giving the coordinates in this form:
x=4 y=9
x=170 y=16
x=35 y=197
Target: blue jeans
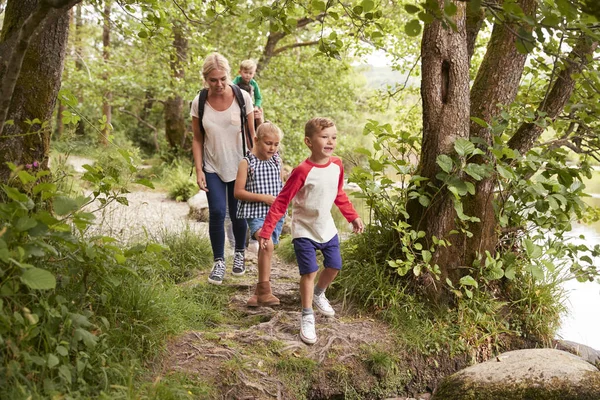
x=219 y=195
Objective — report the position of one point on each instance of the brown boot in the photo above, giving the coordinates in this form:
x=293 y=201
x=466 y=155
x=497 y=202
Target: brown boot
x=265 y=296
x=253 y=301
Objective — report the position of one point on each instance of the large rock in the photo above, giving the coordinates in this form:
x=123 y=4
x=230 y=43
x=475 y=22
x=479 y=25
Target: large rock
x=534 y=374
x=198 y=207
x=588 y=353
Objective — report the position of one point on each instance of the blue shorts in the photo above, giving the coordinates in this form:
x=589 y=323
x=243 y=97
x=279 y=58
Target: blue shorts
x=306 y=254
x=256 y=223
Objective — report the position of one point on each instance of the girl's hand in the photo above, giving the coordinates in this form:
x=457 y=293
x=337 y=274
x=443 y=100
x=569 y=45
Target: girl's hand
x=201 y=178
x=358 y=226
x=268 y=199
x=262 y=242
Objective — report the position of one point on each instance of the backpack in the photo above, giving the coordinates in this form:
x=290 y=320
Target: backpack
x=237 y=93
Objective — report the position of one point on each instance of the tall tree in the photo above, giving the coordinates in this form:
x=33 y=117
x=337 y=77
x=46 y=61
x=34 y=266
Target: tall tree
x=448 y=105
x=107 y=97
x=32 y=49
x=174 y=111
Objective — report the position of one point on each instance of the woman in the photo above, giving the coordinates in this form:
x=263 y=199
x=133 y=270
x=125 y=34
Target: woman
x=217 y=153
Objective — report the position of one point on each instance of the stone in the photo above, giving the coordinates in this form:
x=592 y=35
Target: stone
x=198 y=207
x=532 y=374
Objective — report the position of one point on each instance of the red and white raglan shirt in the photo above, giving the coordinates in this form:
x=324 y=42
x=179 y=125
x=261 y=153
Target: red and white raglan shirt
x=312 y=189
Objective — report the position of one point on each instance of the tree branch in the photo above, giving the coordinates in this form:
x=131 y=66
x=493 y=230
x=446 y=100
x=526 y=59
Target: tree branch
x=554 y=102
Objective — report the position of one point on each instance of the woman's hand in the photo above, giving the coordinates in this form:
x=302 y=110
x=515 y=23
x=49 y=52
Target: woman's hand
x=201 y=180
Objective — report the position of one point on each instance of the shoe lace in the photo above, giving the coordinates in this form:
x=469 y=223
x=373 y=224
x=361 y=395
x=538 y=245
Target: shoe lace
x=238 y=259
x=308 y=320
x=219 y=267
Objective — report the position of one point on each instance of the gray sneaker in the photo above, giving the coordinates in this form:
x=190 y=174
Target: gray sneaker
x=218 y=273
x=239 y=268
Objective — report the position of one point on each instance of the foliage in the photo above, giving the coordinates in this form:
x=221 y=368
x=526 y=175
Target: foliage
x=180 y=184
x=79 y=315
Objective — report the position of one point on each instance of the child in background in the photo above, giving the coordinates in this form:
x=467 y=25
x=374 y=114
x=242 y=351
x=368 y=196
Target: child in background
x=258 y=182
x=246 y=75
x=313 y=187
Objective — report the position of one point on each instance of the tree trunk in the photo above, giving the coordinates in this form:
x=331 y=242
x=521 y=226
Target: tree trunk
x=80 y=129
x=445 y=95
x=497 y=83
x=174 y=113
x=107 y=98
x=36 y=87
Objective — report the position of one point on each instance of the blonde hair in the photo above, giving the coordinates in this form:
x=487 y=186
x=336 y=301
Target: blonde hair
x=268 y=128
x=216 y=61
x=316 y=125
x=247 y=65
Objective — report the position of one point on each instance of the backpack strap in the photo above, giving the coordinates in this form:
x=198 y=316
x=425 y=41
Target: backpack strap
x=237 y=92
x=201 y=101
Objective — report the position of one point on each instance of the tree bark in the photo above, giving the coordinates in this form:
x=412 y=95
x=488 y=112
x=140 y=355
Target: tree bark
x=80 y=129
x=36 y=79
x=496 y=85
x=445 y=96
x=174 y=114
x=107 y=98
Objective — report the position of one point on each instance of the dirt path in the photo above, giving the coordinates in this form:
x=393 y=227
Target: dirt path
x=262 y=356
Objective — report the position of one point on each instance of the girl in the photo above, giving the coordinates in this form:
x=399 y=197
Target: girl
x=258 y=182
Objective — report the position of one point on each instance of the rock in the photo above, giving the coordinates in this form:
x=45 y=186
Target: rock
x=198 y=207
x=587 y=353
x=533 y=374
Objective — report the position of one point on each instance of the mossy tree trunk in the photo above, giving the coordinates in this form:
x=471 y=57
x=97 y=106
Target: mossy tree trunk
x=37 y=33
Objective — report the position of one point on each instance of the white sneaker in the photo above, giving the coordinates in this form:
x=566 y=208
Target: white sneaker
x=307 y=329
x=322 y=305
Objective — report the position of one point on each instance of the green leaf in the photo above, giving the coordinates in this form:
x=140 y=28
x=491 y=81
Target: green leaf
x=318 y=5
x=65 y=373
x=510 y=272
x=413 y=28
x=37 y=278
x=411 y=9
x=367 y=5
x=468 y=281
x=86 y=337
x=445 y=163
x=533 y=251
x=64 y=205
x=463 y=147
x=25 y=223
x=480 y=122
x=52 y=361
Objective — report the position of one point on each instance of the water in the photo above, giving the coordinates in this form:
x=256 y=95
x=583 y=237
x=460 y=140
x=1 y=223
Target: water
x=581 y=324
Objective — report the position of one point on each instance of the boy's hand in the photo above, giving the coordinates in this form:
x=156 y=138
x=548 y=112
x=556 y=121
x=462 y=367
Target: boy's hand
x=358 y=226
x=262 y=242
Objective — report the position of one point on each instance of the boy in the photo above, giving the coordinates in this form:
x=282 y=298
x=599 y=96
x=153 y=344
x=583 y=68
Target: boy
x=246 y=75
x=313 y=187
